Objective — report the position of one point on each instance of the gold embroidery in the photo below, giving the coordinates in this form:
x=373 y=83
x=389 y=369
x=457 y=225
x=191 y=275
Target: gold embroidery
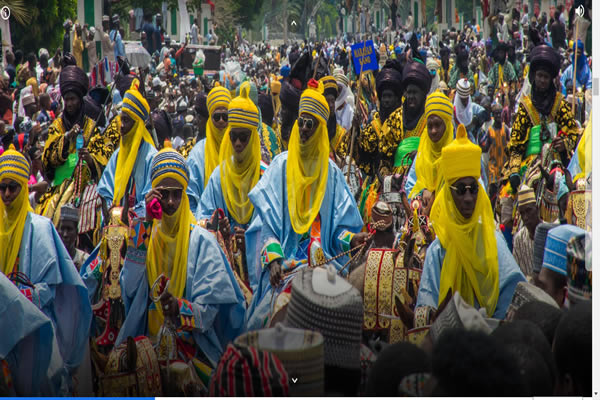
x=385 y=288
x=370 y=286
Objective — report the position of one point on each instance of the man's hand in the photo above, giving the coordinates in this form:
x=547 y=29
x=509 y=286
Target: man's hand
x=558 y=143
x=427 y=197
x=72 y=133
x=225 y=228
x=276 y=274
x=151 y=195
x=84 y=154
x=359 y=239
x=170 y=306
x=240 y=238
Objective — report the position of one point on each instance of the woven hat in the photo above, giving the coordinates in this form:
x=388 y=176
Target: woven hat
x=69 y=213
x=526 y=195
x=539 y=243
x=463 y=88
x=247 y=371
x=300 y=351
x=324 y=302
x=579 y=268
x=526 y=292
x=458 y=314
x=555 y=251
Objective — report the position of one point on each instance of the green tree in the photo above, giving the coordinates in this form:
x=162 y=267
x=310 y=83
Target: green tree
x=44 y=27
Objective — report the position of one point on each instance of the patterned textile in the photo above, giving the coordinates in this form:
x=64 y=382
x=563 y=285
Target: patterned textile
x=508 y=74
x=246 y=371
x=300 y=351
x=497 y=156
x=523 y=251
x=527 y=117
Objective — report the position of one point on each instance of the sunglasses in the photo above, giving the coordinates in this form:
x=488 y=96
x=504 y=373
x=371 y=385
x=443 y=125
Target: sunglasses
x=305 y=123
x=241 y=136
x=12 y=187
x=217 y=116
x=461 y=189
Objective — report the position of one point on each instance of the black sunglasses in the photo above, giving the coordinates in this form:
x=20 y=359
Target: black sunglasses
x=305 y=123
x=241 y=136
x=218 y=116
x=12 y=187
x=461 y=189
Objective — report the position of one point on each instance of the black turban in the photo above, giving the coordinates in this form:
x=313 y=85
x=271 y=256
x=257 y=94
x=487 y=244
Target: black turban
x=289 y=96
x=200 y=105
x=266 y=108
x=67 y=59
x=123 y=83
x=544 y=57
x=416 y=73
x=162 y=124
x=73 y=79
x=388 y=78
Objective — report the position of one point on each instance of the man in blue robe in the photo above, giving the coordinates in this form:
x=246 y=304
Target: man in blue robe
x=33 y=255
x=468 y=255
x=203 y=300
x=304 y=211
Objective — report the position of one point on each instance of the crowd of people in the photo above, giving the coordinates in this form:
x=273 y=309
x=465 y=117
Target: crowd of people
x=295 y=225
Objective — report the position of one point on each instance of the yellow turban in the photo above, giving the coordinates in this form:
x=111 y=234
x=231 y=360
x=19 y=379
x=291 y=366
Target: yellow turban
x=470 y=265
x=427 y=164
x=137 y=108
x=13 y=165
x=217 y=97
x=329 y=82
x=240 y=172
x=34 y=86
x=307 y=164
x=461 y=158
x=170 y=236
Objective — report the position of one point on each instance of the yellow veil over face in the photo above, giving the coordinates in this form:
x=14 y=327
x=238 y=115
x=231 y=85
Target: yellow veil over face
x=169 y=240
x=137 y=108
x=471 y=262
x=218 y=97
x=240 y=172
x=308 y=163
x=14 y=166
x=427 y=165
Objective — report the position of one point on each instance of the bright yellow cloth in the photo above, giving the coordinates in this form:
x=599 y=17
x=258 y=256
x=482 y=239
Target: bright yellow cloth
x=461 y=157
x=307 y=164
x=14 y=166
x=240 y=172
x=470 y=265
x=137 y=108
x=584 y=152
x=427 y=166
x=169 y=240
x=217 y=97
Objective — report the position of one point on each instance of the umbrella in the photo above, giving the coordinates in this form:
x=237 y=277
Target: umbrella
x=137 y=55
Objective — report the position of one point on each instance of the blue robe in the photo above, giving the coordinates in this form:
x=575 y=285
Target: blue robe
x=29 y=346
x=140 y=173
x=509 y=276
x=195 y=162
x=271 y=222
x=59 y=291
x=217 y=301
x=212 y=199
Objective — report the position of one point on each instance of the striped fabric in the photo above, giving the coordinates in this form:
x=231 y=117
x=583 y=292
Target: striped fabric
x=217 y=97
x=313 y=106
x=438 y=102
x=169 y=162
x=14 y=165
x=246 y=371
x=240 y=118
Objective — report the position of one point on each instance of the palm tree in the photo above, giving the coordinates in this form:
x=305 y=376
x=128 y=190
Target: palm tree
x=18 y=10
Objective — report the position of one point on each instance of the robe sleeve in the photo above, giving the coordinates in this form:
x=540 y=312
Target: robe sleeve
x=519 y=137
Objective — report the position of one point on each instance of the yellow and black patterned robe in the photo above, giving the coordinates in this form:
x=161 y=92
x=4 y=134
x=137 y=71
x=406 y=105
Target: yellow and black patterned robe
x=100 y=148
x=527 y=117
